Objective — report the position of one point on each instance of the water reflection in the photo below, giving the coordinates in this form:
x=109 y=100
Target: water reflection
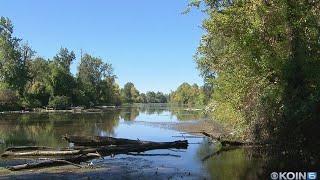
x=48 y=128
x=258 y=162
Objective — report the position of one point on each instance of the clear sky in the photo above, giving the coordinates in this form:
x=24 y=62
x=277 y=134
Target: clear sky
x=148 y=42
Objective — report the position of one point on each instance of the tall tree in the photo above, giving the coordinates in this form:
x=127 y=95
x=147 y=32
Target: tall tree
x=96 y=80
x=62 y=81
x=13 y=70
x=129 y=93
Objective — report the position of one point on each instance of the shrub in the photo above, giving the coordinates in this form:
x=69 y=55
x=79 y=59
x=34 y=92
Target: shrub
x=59 y=102
x=9 y=100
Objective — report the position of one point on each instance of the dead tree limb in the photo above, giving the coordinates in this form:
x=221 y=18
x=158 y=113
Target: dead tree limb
x=24 y=148
x=55 y=162
x=42 y=153
x=98 y=140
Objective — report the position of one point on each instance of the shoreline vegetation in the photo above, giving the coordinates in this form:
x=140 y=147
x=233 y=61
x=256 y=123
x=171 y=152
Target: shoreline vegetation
x=260 y=60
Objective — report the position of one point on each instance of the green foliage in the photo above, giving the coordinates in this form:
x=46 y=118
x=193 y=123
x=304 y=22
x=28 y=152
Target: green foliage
x=59 y=102
x=41 y=82
x=13 y=69
x=159 y=97
x=96 y=82
x=38 y=90
x=129 y=93
x=188 y=95
x=261 y=59
x=61 y=81
x=9 y=100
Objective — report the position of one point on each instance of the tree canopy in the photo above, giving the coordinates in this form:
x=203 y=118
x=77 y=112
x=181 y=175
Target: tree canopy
x=187 y=94
x=261 y=59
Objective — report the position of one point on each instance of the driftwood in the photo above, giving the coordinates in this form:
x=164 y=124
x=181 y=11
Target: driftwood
x=225 y=142
x=42 y=153
x=104 y=150
x=226 y=145
x=55 y=162
x=103 y=146
x=23 y=148
x=100 y=141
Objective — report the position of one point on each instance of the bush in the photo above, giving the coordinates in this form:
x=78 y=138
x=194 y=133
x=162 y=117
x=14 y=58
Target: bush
x=9 y=100
x=59 y=102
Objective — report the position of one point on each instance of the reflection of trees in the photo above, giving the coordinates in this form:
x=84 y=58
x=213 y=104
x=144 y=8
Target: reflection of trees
x=257 y=163
x=48 y=128
x=233 y=164
x=129 y=113
x=153 y=108
x=185 y=115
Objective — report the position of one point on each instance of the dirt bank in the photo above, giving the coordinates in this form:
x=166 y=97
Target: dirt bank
x=116 y=168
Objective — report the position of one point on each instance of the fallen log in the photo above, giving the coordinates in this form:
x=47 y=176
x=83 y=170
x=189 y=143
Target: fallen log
x=145 y=146
x=24 y=148
x=42 y=153
x=86 y=153
x=225 y=142
x=99 y=140
x=55 y=162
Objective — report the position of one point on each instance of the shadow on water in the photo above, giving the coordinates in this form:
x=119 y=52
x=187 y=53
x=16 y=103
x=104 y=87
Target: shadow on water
x=257 y=163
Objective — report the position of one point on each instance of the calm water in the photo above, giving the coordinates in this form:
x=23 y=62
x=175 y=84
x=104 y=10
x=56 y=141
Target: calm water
x=144 y=123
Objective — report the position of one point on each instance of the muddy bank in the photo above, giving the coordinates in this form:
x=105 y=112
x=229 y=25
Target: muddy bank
x=207 y=126
x=112 y=168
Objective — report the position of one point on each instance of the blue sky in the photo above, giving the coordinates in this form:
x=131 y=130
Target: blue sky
x=149 y=43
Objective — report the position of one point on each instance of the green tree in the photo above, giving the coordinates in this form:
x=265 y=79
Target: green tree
x=97 y=81
x=261 y=59
x=13 y=70
x=188 y=95
x=129 y=93
x=37 y=90
x=62 y=82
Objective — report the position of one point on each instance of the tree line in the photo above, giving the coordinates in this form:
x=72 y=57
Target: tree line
x=29 y=81
x=262 y=61
x=129 y=94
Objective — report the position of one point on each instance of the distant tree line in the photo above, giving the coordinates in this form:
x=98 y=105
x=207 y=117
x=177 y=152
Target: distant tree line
x=129 y=94
x=191 y=95
x=29 y=81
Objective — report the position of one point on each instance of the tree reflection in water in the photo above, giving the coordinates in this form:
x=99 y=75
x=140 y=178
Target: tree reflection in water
x=48 y=128
x=256 y=163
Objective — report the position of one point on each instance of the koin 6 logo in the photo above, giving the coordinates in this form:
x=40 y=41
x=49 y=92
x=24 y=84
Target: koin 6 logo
x=293 y=175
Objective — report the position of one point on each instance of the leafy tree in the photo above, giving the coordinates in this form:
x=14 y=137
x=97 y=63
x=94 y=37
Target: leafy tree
x=188 y=95
x=61 y=81
x=13 y=71
x=37 y=90
x=261 y=59
x=97 y=81
x=143 y=98
x=9 y=100
x=129 y=93
x=59 y=102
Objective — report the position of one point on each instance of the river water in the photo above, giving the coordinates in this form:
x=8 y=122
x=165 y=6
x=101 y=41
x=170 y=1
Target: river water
x=144 y=122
